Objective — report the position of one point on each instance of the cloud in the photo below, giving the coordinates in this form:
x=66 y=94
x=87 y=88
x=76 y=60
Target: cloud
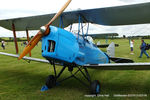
x=134 y=1
x=12 y=13
x=22 y=8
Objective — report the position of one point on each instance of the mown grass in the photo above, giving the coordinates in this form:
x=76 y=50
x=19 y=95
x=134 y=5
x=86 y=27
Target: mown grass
x=20 y=80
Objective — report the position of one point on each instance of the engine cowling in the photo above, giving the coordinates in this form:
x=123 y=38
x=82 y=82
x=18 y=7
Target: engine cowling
x=60 y=44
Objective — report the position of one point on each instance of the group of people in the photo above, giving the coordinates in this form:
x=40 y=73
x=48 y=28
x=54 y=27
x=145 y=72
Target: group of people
x=24 y=43
x=142 y=47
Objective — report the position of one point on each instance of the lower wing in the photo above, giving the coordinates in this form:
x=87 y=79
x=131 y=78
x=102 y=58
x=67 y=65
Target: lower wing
x=110 y=66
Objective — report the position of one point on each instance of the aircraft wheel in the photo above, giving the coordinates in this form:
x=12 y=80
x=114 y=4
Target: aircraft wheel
x=51 y=81
x=95 y=87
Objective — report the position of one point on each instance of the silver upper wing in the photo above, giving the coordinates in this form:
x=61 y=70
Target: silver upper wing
x=120 y=15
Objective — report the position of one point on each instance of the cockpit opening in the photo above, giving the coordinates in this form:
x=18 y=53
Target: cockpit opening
x=51 y=46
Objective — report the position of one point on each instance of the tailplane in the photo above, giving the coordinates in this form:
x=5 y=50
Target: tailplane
x=111 y=54
x=121 y=60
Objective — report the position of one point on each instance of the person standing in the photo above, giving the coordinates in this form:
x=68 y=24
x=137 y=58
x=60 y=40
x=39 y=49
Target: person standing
x=143 y=49
x=3 y=45
x=131 y=46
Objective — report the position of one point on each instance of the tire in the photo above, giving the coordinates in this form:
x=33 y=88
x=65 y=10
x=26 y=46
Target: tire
x=95 y=87
x=50 y=81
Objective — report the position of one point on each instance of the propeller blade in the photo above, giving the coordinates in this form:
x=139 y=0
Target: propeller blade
x=43 y=31
x=30 y=45
x=59 y=13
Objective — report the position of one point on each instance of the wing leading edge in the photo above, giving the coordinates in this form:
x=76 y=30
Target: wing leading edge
x=25 y=58
x=120 y=15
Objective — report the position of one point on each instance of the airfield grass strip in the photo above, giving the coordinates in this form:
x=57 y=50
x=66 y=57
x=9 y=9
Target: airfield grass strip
x=20 y=80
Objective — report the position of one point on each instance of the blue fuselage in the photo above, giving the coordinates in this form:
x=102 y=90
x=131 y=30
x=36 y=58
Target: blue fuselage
x=65 y=46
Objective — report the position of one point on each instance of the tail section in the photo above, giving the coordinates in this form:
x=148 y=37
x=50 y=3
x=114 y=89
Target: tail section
x=111 y=54
x=111 y=50
x=121 y=60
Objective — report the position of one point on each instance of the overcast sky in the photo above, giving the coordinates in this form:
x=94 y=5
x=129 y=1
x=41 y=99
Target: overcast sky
x=22 y=8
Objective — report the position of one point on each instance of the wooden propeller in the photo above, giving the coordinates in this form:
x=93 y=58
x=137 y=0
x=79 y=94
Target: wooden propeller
x=44 y=30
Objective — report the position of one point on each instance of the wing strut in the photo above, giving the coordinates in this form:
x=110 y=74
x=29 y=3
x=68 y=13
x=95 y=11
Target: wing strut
x=27 y=33
x=15 y=40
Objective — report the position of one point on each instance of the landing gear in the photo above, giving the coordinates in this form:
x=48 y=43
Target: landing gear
x=51 y=81
x=93 y=86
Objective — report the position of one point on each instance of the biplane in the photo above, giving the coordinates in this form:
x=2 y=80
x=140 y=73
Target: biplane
x=73 y=51
x=103 y=35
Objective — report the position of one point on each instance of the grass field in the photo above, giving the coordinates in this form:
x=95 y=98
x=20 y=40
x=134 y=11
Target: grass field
x=20 y=80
